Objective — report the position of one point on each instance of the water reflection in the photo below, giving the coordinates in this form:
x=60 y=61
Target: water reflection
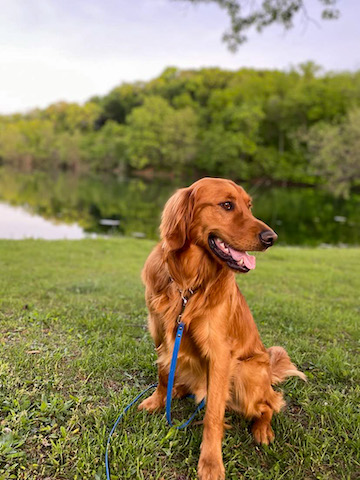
x=133 y=206
x=16 y=223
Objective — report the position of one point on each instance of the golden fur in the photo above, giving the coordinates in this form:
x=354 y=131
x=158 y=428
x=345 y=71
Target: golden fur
x=221 y=355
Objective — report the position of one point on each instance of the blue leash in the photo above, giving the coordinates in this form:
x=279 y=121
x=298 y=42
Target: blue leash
x=179 y=333
x=116 y=424
x=178 y=337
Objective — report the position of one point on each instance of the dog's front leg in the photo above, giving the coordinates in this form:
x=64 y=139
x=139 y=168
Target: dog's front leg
x=211 y=466
x=157 y=400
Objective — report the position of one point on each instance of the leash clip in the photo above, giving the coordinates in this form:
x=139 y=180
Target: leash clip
x=184 y=301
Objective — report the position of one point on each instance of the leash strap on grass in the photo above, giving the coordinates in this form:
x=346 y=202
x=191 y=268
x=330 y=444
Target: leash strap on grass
x=179 y=333
x=178 y=337
x=116 y=424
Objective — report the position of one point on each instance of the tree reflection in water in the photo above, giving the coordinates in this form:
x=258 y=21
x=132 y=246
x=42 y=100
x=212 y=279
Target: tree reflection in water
x=132 y=206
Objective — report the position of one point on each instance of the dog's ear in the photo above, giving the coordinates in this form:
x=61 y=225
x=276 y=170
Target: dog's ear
x=176 y=219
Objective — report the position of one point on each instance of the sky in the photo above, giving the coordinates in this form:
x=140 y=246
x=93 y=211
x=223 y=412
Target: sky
x=54 y=50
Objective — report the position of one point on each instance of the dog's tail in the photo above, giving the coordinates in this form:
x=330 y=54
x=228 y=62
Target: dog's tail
x=281 y=366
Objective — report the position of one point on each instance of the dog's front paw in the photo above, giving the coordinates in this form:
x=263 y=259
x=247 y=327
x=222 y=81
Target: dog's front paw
x=262 y=432
x=153 y=403
x=211 y=468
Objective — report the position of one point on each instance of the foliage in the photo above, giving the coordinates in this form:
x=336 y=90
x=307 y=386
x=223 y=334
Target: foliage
x=104 y=149
x=244 y=15
x=119 y=102
x=75 y=351
x=160 y=136
x=71 y=116
x=231 y=141
x=336 y=152
x=249 y=124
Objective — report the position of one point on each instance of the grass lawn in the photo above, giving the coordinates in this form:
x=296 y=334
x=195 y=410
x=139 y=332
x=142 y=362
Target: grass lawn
x=75 y=351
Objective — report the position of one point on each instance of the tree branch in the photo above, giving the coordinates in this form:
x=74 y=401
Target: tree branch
x=243 y=15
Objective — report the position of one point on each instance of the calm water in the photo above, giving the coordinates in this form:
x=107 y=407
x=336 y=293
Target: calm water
x=17 y=223
x=82 y=205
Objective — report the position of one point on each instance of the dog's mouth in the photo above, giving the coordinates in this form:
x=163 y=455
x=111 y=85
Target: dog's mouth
x=238 y=260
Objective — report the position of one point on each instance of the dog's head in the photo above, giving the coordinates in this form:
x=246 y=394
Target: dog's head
x=215 y=214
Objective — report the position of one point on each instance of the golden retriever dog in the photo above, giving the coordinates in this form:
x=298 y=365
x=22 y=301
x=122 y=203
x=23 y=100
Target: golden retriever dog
x=206 y=231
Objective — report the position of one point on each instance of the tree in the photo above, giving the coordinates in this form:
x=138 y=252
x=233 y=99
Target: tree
x=70 y=116
x=335 y=153
x=117 y=104
x=244 y=15
x=248 y=124
x=160 y=136
x=229 y=142
x=104 y=149
x=28 y=143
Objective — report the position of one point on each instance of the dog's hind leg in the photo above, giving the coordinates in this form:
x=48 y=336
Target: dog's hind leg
x=261 y=428
x=281 y=367
x=254 y=397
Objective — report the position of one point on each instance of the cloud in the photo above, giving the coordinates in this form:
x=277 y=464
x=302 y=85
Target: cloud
x=54 y=50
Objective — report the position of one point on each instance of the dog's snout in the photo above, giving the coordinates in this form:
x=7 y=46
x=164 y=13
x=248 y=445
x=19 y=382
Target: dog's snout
x=268 y=237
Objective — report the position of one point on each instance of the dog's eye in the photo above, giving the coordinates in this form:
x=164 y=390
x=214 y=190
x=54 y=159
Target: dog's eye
x=227 y=205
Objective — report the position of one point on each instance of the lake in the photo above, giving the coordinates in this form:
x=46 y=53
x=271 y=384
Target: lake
x=17 y=223
x=111 y=205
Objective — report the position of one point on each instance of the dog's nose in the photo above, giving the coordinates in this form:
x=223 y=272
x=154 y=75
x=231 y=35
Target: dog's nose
x=268 y=237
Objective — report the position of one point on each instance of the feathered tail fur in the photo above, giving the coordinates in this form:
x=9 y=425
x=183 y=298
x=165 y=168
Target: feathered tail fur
x=281 y=366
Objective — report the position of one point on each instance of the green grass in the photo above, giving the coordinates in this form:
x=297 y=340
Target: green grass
x=75 y=351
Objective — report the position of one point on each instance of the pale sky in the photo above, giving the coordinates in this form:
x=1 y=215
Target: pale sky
x=52 y=50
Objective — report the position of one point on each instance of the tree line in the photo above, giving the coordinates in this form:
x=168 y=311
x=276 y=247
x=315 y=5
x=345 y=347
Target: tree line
x=298 y=126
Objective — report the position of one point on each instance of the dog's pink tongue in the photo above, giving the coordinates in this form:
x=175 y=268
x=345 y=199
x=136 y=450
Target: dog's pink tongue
x=249 y=260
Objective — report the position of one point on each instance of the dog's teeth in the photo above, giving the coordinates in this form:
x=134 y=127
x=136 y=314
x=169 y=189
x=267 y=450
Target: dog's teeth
x=241 y=261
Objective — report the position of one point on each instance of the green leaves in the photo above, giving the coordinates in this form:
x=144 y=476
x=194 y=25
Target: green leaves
x=260 y=15
x=335 y=152
x=268 y=125
x=160 y=136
